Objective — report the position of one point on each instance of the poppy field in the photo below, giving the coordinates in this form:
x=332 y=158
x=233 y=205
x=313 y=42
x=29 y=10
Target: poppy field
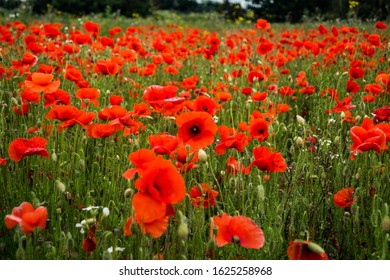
x=134 y=139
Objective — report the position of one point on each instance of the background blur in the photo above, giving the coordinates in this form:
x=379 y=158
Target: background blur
x=272 y=10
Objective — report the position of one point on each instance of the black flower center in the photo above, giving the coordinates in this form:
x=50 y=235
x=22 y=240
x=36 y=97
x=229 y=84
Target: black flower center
x=195 y=129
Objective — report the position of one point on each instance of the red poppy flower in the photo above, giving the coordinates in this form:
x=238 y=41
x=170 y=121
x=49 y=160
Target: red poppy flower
x=106 y=67
x=254 y=76
x=259 y=96
x=163 y=143
x=382 y=114
x=116 y=100
x=343 y=105
x=380 y=25
x=89 y=243
x=69 y=115
x=230 y=139
x=155 y=228
x=286 y=91
x=259 y=129
x=88 y=96
x=205 y=104
x=22 y=109
x=3 y=161
x=21 y=147
x=267 y=160
x=344 y=198
x=27 y=217
x=161 y=181
x=352 y=87
x=196 y=129
x=112 y=113
x=237 y=229
x=73 y=74
x=163 y=99
x=356 y=73
x=305 y=250
x=140 y=159
x=57 y=97
x=100 y=130
x=367 y=137
x=265 y=47
x=262 y=24
x=203 y=196
x=42 y=82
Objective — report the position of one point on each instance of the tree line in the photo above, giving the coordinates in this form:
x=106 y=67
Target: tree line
x=272 y=10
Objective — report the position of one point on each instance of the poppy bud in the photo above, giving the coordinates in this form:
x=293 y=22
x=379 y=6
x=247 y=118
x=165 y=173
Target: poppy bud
x=134 y=227
x=386 y=224
x=300 y=120
x=128 y=193
x=54 y=156
x=210 y=247
x=202 y=156
x=336 y=140
x=358 y=119
x=14 y=101
x=20 y=254
x=315 y=248
x=70 y=243
x=183 y=231
x=82 y=164
x=261 y=192
x=91 y=221
x=299 y=142
x=60 y=186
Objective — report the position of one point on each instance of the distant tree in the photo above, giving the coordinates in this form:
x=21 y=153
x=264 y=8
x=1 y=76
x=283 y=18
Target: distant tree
x=293 y=10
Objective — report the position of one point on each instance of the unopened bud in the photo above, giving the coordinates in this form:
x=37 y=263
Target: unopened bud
x=211 y=246
x=20 y=254
x=386 y=224
x=261 y=192
x=315 y=248
x=60 y=186
x=128 y=193
x=202 y=156
x=134 y=227
x=301 y=120
x=299 y=142
x=54 y=156
x=183 y=231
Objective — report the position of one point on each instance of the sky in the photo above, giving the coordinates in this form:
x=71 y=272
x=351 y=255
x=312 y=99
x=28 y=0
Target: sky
x=242 y=2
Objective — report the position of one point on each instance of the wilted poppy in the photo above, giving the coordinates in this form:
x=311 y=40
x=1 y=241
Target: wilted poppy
x=237 y=229
x=305 y=250
x=27 y=217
